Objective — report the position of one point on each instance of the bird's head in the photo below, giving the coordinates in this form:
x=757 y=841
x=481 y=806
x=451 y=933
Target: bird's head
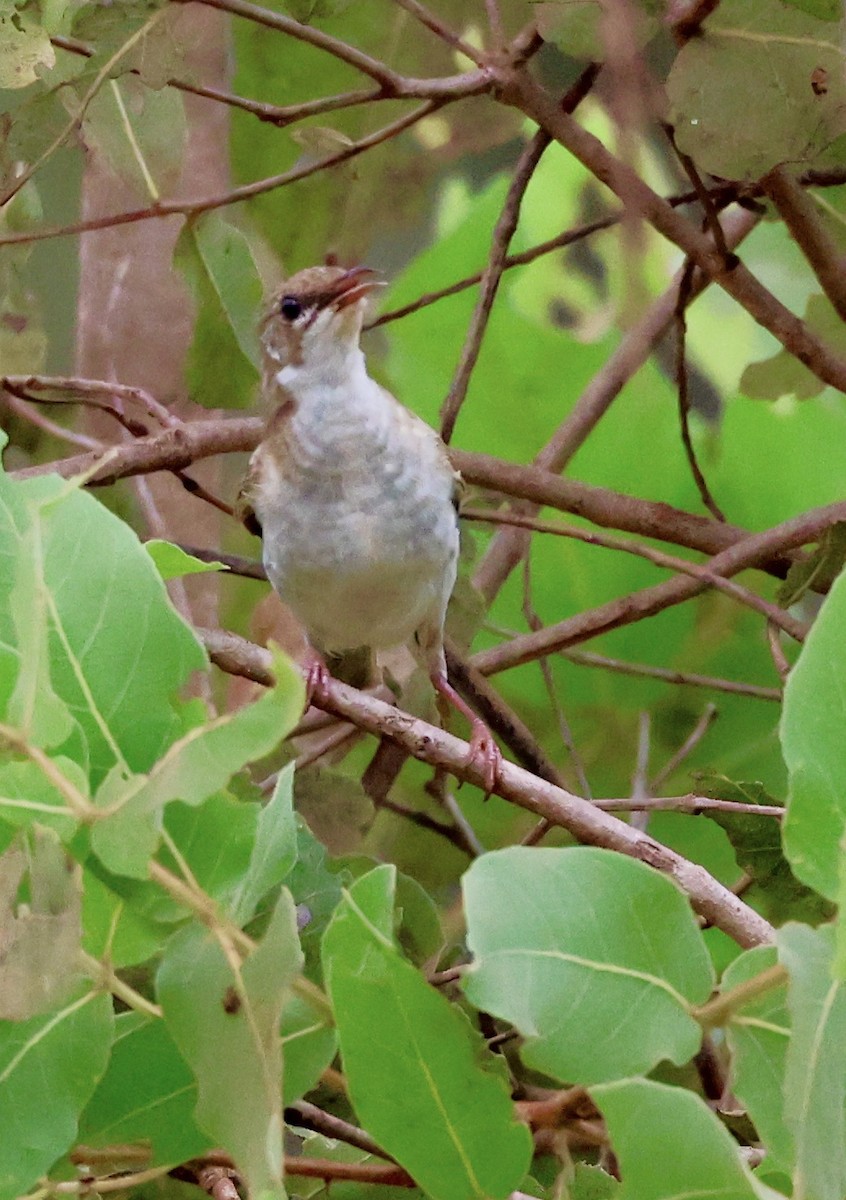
x=315 y=319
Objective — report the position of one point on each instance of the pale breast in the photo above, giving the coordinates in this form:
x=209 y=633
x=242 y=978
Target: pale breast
x=360 y=530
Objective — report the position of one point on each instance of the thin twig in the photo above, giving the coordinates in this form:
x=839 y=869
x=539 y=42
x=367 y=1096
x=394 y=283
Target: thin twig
x=689 y=744
x=235 y=195
x=777 y=616
x=683 y=678
x=753 y=549
x=502 y=235
x=797 y=210
x=685 y=287
x=434 y=24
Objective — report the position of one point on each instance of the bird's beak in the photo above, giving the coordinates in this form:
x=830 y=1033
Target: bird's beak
x=353 y=286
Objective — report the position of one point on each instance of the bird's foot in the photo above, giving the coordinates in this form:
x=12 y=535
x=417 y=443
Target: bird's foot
x=317 y=679
x=484 y=755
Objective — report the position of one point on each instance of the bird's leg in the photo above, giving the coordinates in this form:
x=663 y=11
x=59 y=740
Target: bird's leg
x=484 y=754
x=317 y=677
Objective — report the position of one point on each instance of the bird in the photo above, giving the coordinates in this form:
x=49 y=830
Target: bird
x=353 y=495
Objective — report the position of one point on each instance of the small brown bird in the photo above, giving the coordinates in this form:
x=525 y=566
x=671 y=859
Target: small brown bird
x=353 y=495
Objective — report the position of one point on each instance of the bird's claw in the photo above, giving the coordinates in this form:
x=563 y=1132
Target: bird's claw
x=317 y=680
x=484 y=755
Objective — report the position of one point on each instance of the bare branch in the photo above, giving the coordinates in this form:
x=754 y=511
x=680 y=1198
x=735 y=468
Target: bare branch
x=167 y=208
x=777 y=616
x=582 y=818
x=802 y=219
x=502 y=235
x=524 y=93
x=681 y=678
x=754 y=549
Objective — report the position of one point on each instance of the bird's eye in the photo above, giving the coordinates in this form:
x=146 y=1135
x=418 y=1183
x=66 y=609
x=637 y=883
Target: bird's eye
x=290 y=308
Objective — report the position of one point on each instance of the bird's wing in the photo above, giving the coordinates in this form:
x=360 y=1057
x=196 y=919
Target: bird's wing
x=432 y=441
x=244 y=510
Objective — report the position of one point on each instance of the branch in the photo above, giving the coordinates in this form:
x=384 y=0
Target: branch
x=796 y=629
x=683 y=678
x=178 y=448
x=520 y=90
x=594 y=402
x=751 y=551
x=584 y=820
x=187 y=208
x=803 y=221
x=502 y=235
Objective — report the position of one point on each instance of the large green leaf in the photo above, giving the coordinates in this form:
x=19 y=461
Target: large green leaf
x=225 y=1022
x=192 y=769
x=218 y=263
x=758 y=57
x=117 y=650
x=670 y=1146
x=49 y=1067
x=274 y=849
x=758 y=1036
x=815 y=1077
x=412 y=1062
x=594 y=957
x=814 y=749
x=146 y=1095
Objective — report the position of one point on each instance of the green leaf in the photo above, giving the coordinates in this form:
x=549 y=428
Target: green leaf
x=580 y=27
x=783 y=374
x=758 y=1037
x=24 y=48
x=218 y=264
x=49 y=1067
x=39 y=964
x=776 y=892
x=172 y=562
x=118 y=651
x=226 y=1026
x=336 y=808
x=274 y=850
x=757 y=57
x=193 y=768
x=309 y=1043
x=138 y=131
x=818 y=569
x=147 y=1094
x=412 y=1061
x=27 y=796
x=815 y=1078
x=670 y=1145
x=112 y=928
x=594 y=957
x=812 y=725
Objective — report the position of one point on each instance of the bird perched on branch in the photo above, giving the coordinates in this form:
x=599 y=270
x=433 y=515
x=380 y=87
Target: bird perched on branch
x=353 y=495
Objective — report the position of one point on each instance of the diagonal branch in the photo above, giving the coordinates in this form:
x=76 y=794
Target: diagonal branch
x=802 y=219
x=520 y=90
x=502 y=235
x=583 y=819
x=749 y=552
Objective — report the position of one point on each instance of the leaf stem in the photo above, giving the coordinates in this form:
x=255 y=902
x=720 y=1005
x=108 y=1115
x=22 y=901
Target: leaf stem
x=721 y=1008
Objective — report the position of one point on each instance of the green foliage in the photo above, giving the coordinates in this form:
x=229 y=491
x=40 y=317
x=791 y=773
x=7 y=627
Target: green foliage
x=196 y=933
x=814 y=751
x=758 y=58
x=414 y=1065
x=534 y=962
x=217 y=262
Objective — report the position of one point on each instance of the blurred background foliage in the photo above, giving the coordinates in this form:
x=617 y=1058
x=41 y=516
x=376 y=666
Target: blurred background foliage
x=169 y=303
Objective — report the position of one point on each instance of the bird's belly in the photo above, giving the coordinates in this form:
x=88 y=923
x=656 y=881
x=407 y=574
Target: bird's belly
x=366 y=573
